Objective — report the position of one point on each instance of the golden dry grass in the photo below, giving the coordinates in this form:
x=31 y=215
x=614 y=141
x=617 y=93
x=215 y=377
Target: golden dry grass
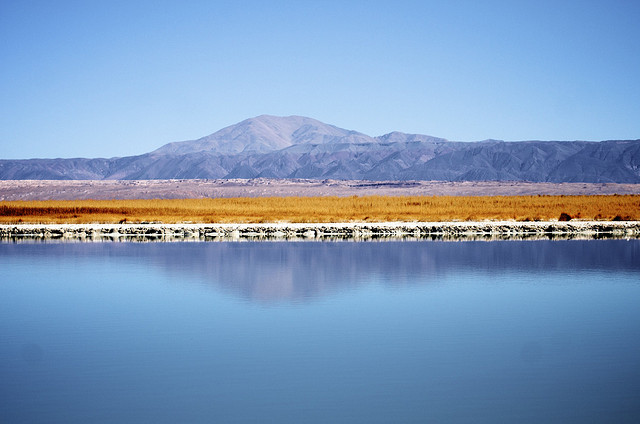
x=323 y=209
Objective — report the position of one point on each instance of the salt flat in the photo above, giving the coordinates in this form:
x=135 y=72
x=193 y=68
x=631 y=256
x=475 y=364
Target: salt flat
x=188 y=188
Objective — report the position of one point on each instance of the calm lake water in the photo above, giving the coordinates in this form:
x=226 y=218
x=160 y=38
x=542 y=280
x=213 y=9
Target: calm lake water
x=327 y=332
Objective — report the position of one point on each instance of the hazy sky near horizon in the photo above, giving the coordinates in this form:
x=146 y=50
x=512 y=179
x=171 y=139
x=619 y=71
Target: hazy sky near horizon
x=118 y=78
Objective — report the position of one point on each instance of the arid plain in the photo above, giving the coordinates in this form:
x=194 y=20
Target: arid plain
x=261 y=187
x=264 y=200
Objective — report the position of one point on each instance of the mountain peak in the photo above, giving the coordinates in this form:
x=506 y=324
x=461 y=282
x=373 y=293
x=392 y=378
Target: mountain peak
x=266 y=133
x=269 y=146
x=400 y=137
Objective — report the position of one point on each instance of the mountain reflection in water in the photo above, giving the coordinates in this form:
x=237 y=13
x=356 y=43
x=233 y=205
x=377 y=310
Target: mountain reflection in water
x=320 y=332
x=299 y=271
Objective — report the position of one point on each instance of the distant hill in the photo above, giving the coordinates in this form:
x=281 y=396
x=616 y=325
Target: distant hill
x=299 y=147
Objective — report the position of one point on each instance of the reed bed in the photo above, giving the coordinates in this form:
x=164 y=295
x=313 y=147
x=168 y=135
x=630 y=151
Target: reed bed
x=324 y=209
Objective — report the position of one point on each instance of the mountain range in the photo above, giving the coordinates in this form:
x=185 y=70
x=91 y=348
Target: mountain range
x=299 y=147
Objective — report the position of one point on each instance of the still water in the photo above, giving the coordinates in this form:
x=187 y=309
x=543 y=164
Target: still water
x=326 y=332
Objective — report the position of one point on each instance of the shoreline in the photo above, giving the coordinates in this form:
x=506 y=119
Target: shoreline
x=462 y=230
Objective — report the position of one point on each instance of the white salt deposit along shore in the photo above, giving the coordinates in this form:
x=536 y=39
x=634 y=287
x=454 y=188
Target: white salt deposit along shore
x=355 y=230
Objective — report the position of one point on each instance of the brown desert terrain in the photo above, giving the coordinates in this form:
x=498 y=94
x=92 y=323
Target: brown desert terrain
x=193 y=189
x=305 y=201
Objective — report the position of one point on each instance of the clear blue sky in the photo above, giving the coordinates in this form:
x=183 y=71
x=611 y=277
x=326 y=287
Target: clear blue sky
x=117 y=78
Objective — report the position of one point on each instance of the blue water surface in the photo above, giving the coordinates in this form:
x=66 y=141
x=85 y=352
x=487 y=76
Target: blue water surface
x=340 y=332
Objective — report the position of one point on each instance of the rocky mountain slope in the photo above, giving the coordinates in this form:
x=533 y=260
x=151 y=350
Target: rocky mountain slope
x=299 y=147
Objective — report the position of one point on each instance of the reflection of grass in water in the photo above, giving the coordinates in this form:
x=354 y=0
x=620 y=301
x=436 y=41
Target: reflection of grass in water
x=325 y=209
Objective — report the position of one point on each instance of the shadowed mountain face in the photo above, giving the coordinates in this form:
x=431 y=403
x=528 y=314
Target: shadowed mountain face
x=299 y=147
